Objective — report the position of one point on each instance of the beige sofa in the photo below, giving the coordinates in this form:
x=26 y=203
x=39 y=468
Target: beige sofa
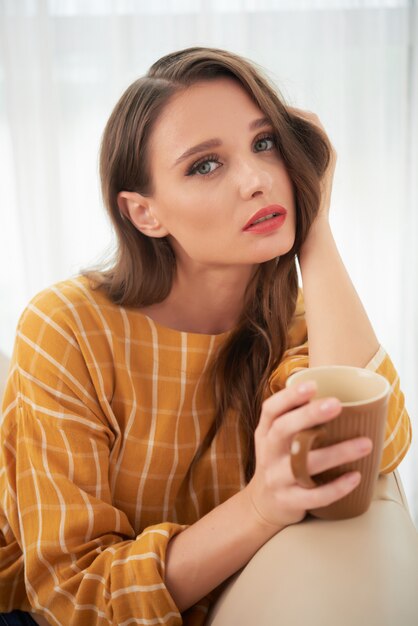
x=357 y=572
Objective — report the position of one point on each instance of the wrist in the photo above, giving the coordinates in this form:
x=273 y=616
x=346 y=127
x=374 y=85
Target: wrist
x=319 y=235
x=261 y=523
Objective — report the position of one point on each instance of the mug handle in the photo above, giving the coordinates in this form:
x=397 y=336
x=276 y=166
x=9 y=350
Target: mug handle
x=302 y=443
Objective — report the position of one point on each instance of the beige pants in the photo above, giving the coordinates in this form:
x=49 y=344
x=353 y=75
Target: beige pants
x=357 y=572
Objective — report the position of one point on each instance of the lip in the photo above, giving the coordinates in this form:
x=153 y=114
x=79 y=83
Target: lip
x=267 y=224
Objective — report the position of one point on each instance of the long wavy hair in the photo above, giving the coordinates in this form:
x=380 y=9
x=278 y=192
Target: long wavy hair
x=142 y=270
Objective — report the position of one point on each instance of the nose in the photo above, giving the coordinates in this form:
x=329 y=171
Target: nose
x=253 y=179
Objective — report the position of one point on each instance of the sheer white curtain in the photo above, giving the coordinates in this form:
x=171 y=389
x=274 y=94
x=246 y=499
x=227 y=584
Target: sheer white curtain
x=64 y=63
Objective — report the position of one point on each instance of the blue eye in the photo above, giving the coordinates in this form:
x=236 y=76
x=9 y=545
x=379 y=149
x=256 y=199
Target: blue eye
x=263 y=141
x=202 y=167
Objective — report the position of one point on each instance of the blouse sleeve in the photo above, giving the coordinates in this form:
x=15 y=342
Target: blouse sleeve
x=84 y=564
x=398 y=434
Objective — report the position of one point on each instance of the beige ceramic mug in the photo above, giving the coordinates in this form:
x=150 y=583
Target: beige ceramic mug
x=364 y=397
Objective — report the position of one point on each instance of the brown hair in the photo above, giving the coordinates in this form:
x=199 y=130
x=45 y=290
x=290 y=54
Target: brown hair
x=143 y=268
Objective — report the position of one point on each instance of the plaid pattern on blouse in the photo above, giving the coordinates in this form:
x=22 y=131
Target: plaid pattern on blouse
x=103 y=413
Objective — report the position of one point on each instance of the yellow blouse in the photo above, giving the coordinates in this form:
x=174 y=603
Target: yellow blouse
x=103 y=413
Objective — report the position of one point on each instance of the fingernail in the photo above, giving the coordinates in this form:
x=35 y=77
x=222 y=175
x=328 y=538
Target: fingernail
x=365 y=446
x=329 y=405
x=306 y=387
x=354 y=478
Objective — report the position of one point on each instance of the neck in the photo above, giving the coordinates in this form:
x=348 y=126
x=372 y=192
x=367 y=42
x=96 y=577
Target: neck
x=203 y=300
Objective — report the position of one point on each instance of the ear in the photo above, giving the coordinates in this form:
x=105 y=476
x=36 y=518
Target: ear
x=138 y=209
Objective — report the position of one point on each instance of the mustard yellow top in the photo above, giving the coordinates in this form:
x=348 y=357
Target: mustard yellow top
x=102 y=415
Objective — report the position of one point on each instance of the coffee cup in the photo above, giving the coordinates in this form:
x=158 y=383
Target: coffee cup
x=364 y=397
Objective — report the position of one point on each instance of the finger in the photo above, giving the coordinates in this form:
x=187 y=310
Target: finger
x=323 y=459
x=313 y=413
x=329 y=493
x=284 y=401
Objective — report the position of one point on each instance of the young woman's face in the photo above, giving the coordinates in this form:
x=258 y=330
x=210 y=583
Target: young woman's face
x=206 y=200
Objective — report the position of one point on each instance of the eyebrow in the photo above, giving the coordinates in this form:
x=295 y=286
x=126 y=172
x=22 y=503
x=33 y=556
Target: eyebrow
x=214 y=143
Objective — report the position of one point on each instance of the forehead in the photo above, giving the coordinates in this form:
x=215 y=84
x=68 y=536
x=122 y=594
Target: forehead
x=205 y=110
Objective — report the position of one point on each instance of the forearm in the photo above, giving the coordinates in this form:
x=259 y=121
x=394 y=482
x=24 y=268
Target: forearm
x=339 y=331
x=211 y=550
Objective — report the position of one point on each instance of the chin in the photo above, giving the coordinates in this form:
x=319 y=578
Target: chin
x=271 y=252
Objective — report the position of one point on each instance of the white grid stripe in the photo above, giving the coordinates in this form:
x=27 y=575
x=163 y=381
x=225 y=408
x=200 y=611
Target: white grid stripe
x=192 y=490
x=137 y=557
x=69 y=455
x=377 y=360
x=98 y=309
x=174 y=465
x=36 y=604
x=137 y=588
x=150 y=622
x=60 y=415
x=38 y=544
x=393 y=463
x=50 y=322
x=133 y=413
x=10 y=407
x=55 y=363
x=81 y=607
x=147 y=461
x=98 y=468
x=156 y=531
x=51 y=390
x=63 y=509
x=394 y=431
x=90 y=513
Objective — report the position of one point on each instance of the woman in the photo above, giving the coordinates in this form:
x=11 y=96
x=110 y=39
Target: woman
x=146 y=427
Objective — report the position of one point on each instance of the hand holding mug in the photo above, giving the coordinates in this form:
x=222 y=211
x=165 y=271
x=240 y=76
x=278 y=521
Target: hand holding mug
x=275 y=495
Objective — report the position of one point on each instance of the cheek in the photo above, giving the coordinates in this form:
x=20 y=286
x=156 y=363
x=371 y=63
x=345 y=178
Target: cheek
x=201 y=212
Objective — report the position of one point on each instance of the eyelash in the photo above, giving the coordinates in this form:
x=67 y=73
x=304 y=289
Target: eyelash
x=192 y=171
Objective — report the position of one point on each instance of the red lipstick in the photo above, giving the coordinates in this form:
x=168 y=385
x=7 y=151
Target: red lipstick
x=266 y=220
